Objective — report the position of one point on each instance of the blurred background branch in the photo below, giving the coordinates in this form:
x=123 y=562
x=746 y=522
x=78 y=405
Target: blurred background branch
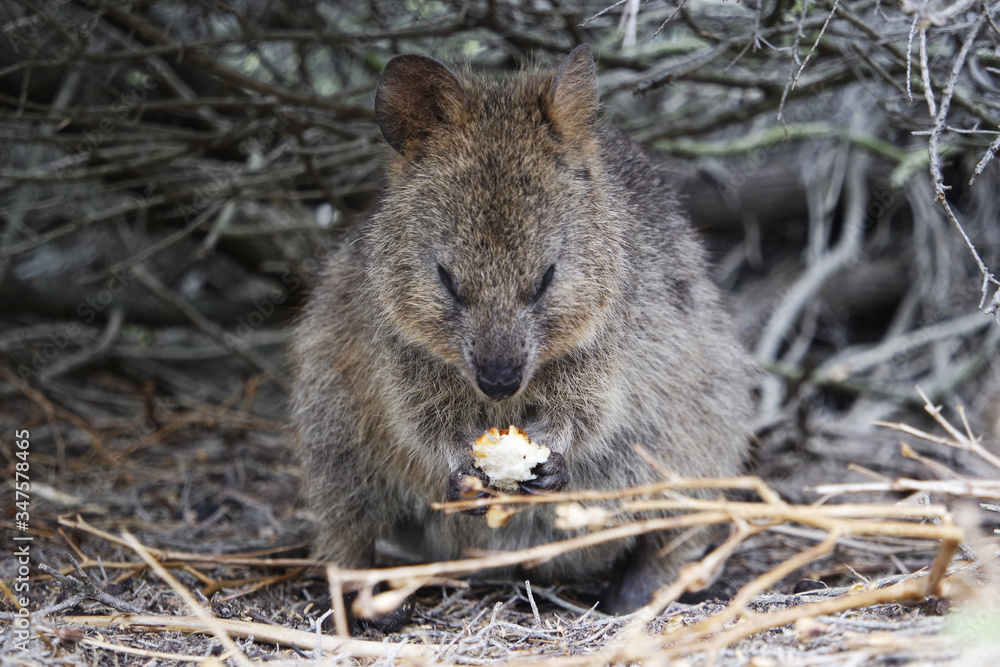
x=172 y=173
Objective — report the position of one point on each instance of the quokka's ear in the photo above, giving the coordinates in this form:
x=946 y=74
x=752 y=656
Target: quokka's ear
x=573 y=101
x=415 y=97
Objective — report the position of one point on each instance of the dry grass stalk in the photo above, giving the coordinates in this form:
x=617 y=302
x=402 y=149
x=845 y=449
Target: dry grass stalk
x=262 y=632
x=142 y=652
x=749 y=518
x=205 y=616
x=842 y=520
x=712 y=636
x=181 y=558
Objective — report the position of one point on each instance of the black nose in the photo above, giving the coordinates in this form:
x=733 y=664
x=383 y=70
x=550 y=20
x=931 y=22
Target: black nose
x=498 y=381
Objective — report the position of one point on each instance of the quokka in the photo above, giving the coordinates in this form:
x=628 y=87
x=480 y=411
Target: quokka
x=524 y=265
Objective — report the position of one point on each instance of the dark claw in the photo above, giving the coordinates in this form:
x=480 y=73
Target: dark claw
x=389 y=623
x=460 y=487
x=550 y=475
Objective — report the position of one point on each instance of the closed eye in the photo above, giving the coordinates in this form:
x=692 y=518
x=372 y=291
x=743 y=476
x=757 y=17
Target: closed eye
x=449 y=283
x=545 y=282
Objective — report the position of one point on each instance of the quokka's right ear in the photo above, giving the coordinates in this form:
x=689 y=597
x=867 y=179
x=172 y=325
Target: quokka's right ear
x=573 y=101
x=415 y=97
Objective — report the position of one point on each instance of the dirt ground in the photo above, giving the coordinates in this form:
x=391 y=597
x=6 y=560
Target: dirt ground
x=208 y=486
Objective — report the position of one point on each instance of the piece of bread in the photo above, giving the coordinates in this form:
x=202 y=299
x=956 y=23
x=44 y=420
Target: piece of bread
x=507 y=457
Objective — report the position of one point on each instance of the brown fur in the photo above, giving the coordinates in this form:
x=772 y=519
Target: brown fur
x=495 y=182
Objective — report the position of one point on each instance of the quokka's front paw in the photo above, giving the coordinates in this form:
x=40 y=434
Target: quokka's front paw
x=468 y=483
x=550 y=475
x=383 y=624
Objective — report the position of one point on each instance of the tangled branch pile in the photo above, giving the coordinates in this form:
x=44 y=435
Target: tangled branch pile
x=183 y=165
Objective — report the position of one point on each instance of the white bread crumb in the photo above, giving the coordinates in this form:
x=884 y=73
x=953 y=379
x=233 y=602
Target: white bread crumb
x=507 y=457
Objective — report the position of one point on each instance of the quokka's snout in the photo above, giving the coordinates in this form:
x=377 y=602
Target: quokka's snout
x=499 y=360
x=499 y=380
